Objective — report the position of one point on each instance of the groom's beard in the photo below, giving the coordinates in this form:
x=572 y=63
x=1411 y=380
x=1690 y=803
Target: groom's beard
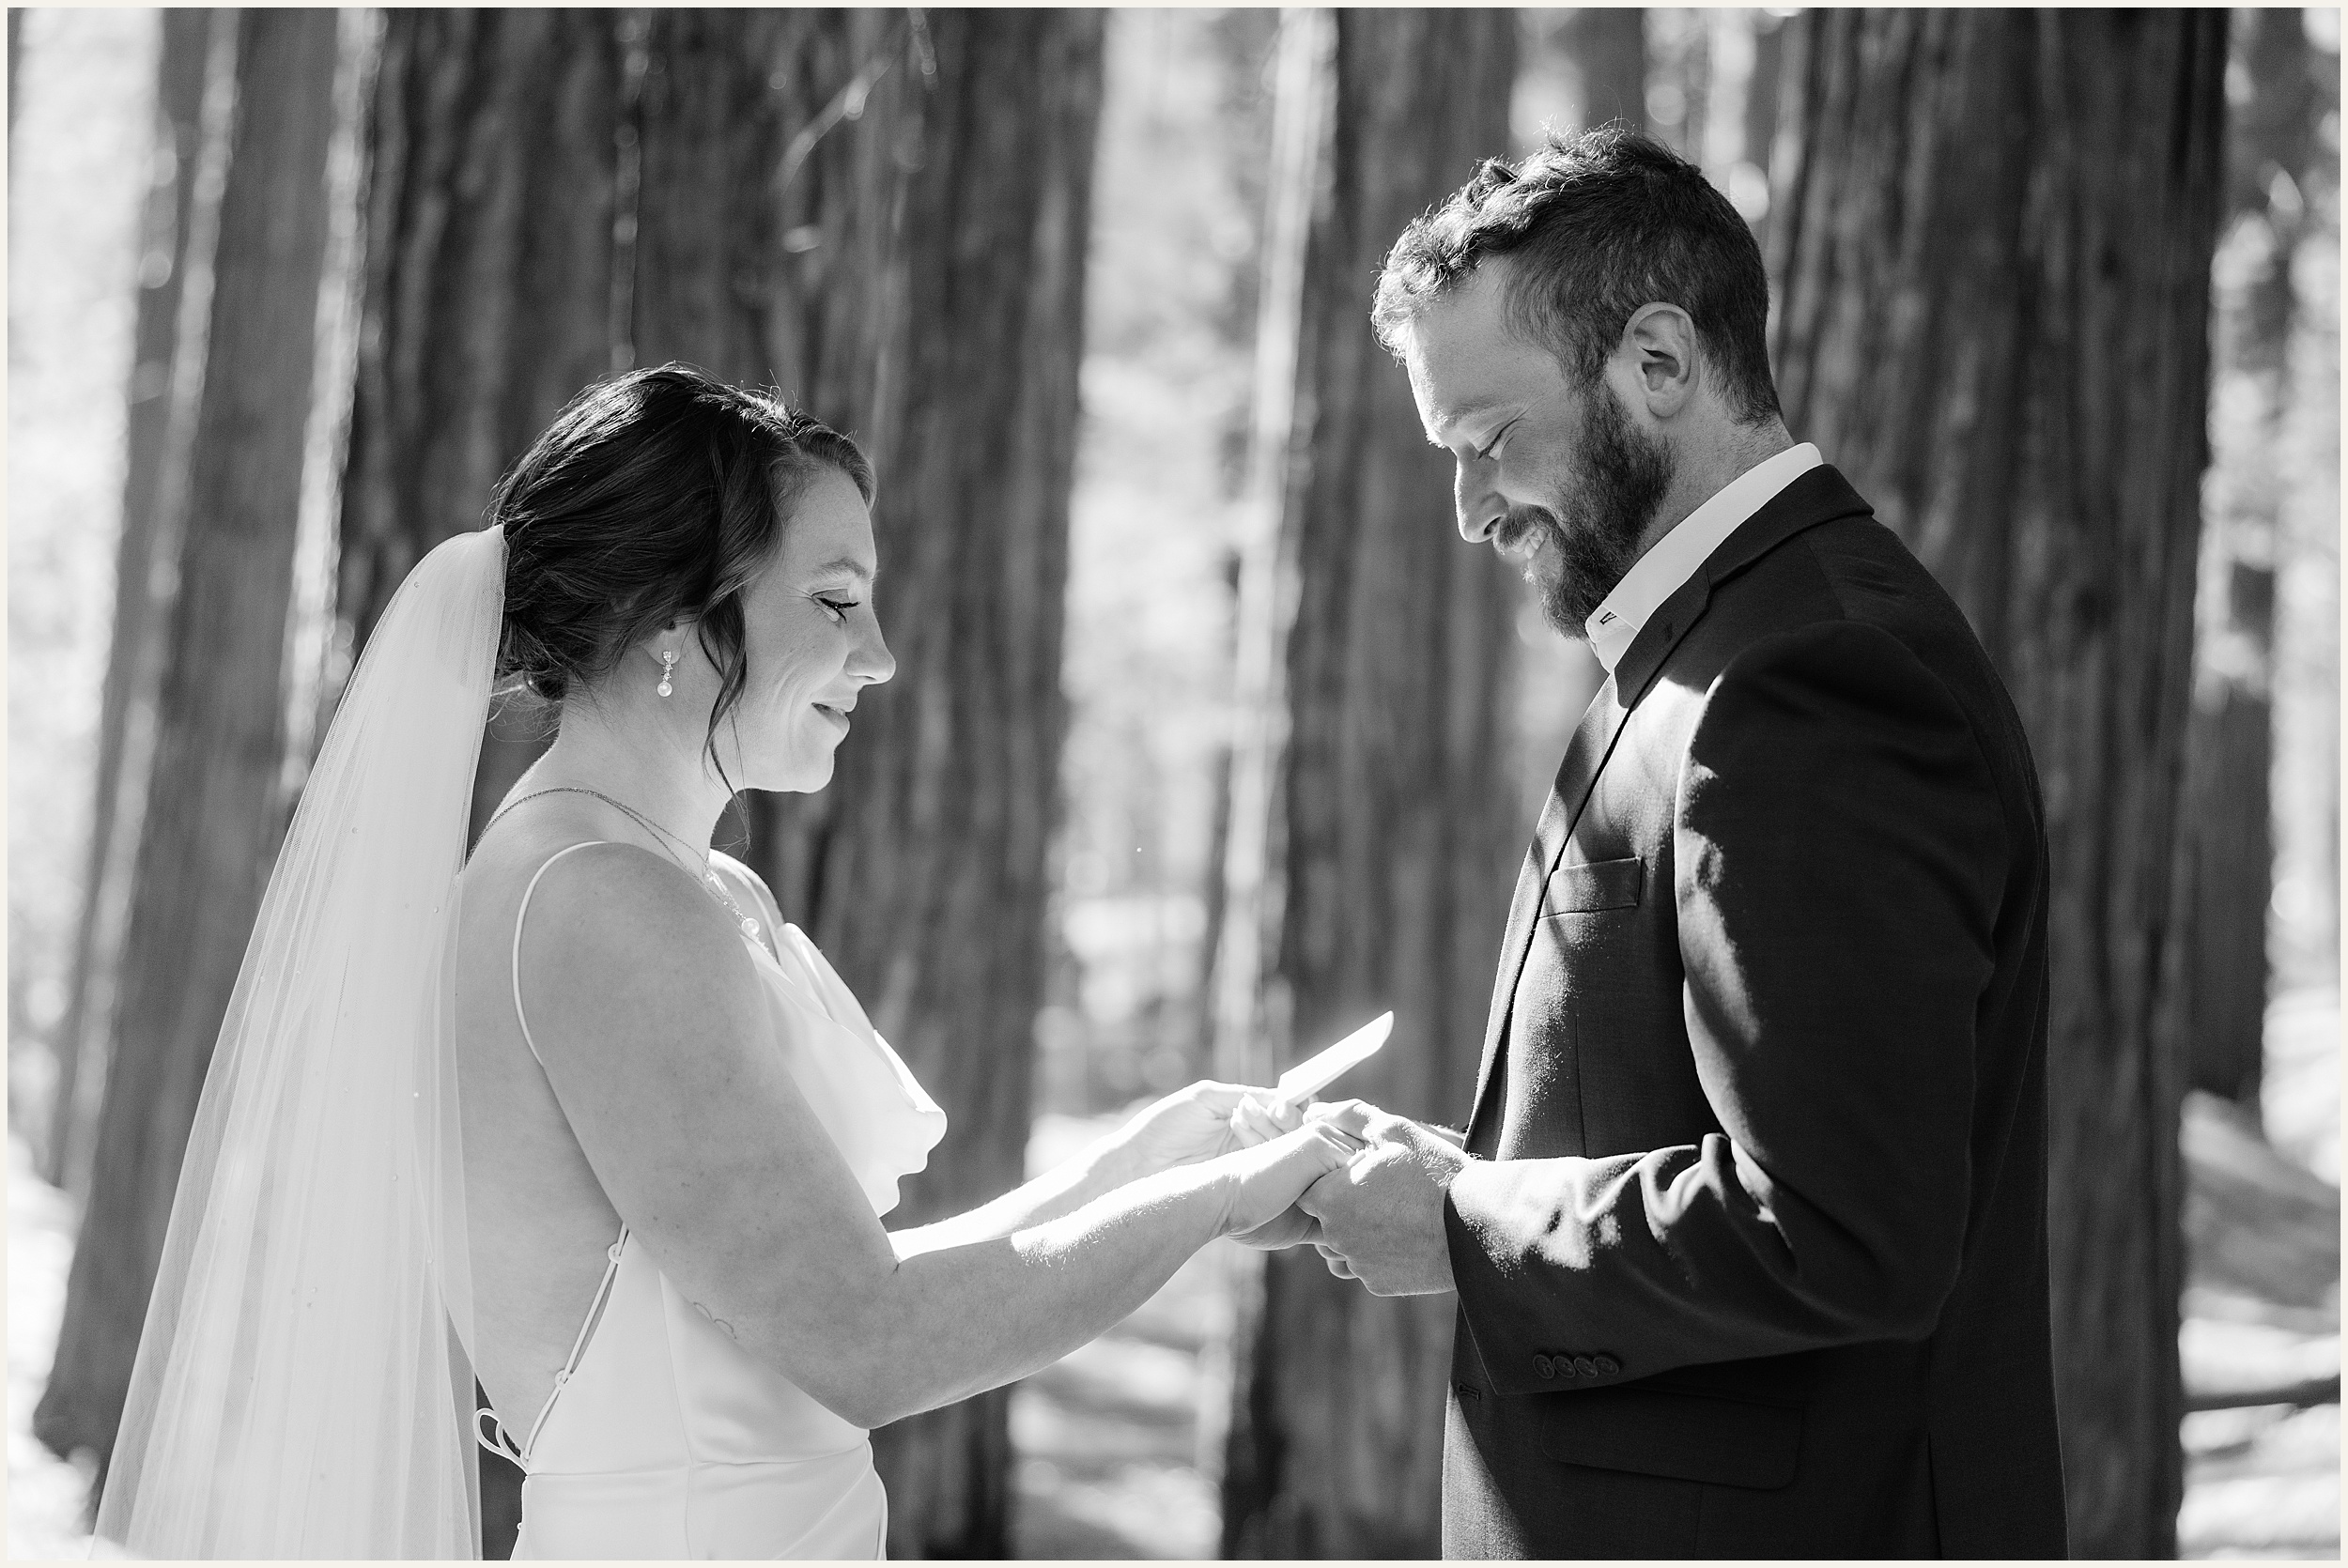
x=1618 y=479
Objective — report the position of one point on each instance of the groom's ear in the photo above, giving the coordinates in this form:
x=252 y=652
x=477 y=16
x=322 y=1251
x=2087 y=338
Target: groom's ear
x=1660 y=341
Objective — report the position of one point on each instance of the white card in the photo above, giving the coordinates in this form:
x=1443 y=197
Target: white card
x=1310 y=1076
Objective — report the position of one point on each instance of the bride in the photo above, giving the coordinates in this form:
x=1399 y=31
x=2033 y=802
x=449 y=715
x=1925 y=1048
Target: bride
x=581 y=1116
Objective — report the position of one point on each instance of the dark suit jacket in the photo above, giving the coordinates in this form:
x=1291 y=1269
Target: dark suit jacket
x=1752 y=1261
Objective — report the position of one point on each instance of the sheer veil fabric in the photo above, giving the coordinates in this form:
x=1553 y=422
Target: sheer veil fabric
x=302 y=1386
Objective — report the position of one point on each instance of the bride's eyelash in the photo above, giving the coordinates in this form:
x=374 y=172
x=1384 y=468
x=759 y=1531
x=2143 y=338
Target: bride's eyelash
x=839 y=608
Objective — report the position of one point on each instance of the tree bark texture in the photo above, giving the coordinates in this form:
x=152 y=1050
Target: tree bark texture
x=1992 y=263
x=1765 y=98
x=886 y=217
x=162 y=267
x=2230 y=746
x=1392 y=831
x=931 y=889
x=16 y=42
x=1609 y=45
x=778 y=150
x=1764 y=105
x=487 y=294
x=211 y=819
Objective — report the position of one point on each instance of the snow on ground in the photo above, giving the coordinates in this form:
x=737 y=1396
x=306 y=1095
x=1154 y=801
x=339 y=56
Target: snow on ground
x=45 y=1492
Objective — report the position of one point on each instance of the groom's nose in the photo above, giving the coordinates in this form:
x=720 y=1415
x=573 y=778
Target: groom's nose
x=1479 y=506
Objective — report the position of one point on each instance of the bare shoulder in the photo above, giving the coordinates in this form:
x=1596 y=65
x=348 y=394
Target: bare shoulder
x=620 y=954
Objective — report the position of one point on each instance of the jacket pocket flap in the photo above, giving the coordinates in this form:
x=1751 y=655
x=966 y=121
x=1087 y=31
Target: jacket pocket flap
x=1595 y=885
x=1727 y=1442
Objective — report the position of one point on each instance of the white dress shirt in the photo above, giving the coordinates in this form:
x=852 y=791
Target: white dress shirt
x=1659 y=574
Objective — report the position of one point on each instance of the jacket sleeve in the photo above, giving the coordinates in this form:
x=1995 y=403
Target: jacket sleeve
x=1839 y=856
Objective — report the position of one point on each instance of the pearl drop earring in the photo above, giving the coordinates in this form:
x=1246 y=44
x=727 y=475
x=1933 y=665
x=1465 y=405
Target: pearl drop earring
x=668 y=662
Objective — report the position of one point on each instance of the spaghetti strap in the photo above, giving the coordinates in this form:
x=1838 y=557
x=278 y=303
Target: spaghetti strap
x=516 y=963
x=489 y=1431
x=494 y=1436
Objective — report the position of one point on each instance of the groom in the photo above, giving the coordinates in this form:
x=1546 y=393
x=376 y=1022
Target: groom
x=1749 y=1228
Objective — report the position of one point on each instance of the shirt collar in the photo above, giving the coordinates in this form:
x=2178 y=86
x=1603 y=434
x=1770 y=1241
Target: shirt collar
x=1659 y=574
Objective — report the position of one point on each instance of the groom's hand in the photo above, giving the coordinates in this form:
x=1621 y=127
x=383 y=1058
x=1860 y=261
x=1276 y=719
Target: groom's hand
x=1381 y=1216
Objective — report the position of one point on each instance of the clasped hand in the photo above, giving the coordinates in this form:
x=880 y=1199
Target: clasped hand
x=1377 y=1220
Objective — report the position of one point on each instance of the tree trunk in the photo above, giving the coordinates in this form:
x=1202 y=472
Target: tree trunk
x=2229 y=750
x=16 y=43
x=487 y=295
x=162 y=267
x=1608 y=44
x=1581 y=68
x=1679 y=79
x=934 y=860
x=209 y=826
x=777 y=153
x=1247 y=1015
x=2228 y=852
x=887 y=216
x=1764 y=97
x=1391 y=819
x=1993 y=263
x=1214 y=890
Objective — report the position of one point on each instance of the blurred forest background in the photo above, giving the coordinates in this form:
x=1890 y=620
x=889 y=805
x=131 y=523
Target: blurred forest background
x=1209 y=739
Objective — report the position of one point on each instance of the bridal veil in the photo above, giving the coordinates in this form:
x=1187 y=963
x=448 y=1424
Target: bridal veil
x=302 y=1386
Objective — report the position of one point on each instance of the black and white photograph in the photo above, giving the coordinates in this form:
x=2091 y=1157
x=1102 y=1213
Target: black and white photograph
x=1178 y=783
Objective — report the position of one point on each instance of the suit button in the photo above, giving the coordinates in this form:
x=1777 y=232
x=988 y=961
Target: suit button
x=1565 y=1366
x=1544 y=1367
x=1469 y=1391
x=1608 y=1365
x=1585 y=1365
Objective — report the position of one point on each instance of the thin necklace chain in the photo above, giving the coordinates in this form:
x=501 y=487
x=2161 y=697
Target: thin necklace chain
x=708 y=880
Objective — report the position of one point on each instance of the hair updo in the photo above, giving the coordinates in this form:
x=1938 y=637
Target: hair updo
x=653 y=497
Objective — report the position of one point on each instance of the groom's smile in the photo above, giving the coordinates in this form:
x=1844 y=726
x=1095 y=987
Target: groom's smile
x=1561 y=480
x=1519 y=537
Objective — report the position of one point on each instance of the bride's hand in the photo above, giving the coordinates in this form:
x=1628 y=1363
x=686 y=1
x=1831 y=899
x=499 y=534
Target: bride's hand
x=1263 y=1182
x=1201 y=1122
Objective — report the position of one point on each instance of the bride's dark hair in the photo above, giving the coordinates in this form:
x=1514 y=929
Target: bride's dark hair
x=655 y=497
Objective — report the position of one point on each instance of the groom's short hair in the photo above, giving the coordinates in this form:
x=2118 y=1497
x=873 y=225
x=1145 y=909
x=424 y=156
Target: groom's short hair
x=1596 y=225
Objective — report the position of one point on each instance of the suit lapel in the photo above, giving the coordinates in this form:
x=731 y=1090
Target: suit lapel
x=1593 y=740
x=1586 y=755
x=1817 y=496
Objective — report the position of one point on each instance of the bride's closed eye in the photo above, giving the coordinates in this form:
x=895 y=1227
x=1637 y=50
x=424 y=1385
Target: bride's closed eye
x=839 y=608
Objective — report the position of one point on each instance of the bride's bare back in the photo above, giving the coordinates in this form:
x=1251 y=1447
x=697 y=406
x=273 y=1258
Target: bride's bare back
x=539 y=1220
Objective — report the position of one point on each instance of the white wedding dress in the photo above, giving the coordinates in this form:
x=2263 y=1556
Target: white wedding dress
x=303 y=1387
x=663 y=1439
